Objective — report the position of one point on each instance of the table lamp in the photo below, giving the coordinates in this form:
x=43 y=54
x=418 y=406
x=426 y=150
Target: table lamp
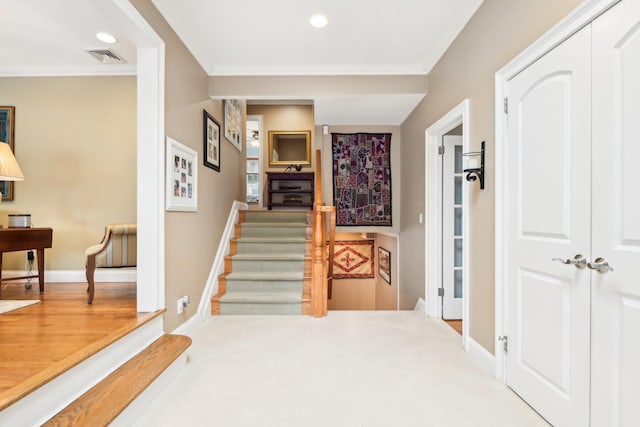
x=9 y=169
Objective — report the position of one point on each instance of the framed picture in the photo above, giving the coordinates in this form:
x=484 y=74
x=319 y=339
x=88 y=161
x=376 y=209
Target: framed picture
x=384 y=264
x=7 y=132
x=233 y=122
x=182 y=177
x=211 y=142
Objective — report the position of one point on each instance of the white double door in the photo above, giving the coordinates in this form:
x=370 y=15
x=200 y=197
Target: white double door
x=573 y=324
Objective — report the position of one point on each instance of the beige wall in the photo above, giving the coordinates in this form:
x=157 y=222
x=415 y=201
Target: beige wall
x=323 y=142
x=496 y=34
x=386 y=294
x=191 y=238
x=75 y=141
x=353 y=294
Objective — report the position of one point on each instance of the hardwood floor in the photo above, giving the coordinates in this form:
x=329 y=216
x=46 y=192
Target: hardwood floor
x=456 y=325
x=41 y=341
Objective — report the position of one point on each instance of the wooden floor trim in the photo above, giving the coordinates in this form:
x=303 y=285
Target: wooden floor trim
x=123 y=385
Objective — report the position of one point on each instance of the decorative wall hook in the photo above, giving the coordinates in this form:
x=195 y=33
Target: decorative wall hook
x=474 y=171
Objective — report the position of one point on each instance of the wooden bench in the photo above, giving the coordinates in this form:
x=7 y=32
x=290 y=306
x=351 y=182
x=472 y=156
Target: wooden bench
x=100 y=405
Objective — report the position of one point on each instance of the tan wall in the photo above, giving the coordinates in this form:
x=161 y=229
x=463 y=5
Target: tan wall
x=75 y=141
x=191 y=239
x=496 y=34
x=386 y=294
x=353 y=294
x=323 y=143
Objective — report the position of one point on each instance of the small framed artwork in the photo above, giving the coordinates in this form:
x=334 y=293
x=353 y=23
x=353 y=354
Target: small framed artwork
x=384 y=264
x=211 y=142
x=233 y=122
x=182 y=177
x=7 y=132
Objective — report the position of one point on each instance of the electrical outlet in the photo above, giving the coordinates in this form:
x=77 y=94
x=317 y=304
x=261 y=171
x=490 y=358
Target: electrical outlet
x=182 y=303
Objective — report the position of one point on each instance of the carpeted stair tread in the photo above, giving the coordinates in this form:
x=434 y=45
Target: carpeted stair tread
x=261 y=297
x=267 y=277
x=275 y=216
x=268 y=257
x=271 y=239
x=274 y=224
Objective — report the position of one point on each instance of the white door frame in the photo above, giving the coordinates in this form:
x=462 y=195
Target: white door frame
x=459 y=115
x=581 y=16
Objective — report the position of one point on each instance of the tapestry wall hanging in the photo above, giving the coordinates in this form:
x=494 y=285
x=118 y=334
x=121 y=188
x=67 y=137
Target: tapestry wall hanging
x=353 y=259
x=362 y=178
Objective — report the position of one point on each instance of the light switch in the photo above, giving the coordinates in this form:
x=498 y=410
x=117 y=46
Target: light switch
x=420 y=218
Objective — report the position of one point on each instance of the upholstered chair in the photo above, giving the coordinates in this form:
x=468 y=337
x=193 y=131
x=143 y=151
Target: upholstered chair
x=117 y=249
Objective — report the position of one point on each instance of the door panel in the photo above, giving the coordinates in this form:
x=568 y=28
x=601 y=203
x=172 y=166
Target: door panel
x=452 y=230
x=548 y=216
x=616 y=216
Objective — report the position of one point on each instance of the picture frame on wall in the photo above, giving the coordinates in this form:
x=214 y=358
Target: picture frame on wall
x=182 y=177
x=233 y=122
x=211 y=147
x=384 y=264
x=7 y=133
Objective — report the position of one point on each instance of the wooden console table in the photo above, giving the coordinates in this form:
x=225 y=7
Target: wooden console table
x=25 y=239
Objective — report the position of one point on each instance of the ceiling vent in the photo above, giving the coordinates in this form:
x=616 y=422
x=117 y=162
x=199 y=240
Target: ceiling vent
x=106 y=56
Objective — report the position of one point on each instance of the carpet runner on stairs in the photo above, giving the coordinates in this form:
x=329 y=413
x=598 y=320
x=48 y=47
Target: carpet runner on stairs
x=265 y=272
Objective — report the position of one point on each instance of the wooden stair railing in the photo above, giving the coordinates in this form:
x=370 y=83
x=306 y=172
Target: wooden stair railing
x=321 y=259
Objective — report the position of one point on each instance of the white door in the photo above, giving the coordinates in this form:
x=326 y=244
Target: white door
x=452 y=232
x=548 y=216
x=615 y=322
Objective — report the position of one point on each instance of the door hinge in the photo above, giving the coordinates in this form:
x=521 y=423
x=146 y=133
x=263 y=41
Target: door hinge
x=440 y=149
x=440 y=292
x=506 y=105
x=505 y=342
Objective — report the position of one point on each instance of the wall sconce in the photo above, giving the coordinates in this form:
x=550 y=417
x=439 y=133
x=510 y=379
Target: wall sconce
x=474 y=171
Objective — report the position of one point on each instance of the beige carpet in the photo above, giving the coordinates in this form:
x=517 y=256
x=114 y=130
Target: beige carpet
x=10 y=305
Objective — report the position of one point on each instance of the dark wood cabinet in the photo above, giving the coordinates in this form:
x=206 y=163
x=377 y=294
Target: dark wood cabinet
x=290 y=190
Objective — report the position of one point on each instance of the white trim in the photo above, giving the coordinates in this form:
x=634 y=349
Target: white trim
x=317 y=70
x=581 y=16
x=433 y=230
x=482 y=355
x=217 y=268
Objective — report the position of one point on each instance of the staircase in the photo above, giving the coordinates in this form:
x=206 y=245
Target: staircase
x=268 y=269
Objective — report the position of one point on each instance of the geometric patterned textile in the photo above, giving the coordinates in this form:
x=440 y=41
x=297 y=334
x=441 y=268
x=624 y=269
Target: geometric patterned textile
x=353 y=259
x=362 y=178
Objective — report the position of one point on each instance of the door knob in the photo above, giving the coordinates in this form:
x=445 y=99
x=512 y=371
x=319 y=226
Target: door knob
x=578 y=261
x=600 y=265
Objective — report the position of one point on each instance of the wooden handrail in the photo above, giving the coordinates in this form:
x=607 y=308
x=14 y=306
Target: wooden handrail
x=321 y=259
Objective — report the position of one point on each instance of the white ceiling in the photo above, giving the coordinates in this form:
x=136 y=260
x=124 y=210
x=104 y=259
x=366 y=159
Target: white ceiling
x=251 y=38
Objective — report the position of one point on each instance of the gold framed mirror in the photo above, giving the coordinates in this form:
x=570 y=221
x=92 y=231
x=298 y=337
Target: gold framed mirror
x=289 y=147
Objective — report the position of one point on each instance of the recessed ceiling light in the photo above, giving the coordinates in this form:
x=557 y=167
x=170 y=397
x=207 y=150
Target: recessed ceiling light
x=106 y=38
x=318 y=21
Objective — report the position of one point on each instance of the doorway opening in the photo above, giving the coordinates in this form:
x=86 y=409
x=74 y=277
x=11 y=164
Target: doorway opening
x=447 y=284
x=254 y=161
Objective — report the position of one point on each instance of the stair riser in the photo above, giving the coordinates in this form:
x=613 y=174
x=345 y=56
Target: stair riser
x=260 y=309
x=242 y=266
x=261 y=285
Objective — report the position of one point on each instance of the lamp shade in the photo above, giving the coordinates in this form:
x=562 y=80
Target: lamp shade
x=9 y=169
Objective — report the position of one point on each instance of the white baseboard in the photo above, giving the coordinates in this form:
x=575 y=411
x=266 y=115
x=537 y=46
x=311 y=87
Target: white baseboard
x=126 y=274
x=482 y=355
x=217 y=268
